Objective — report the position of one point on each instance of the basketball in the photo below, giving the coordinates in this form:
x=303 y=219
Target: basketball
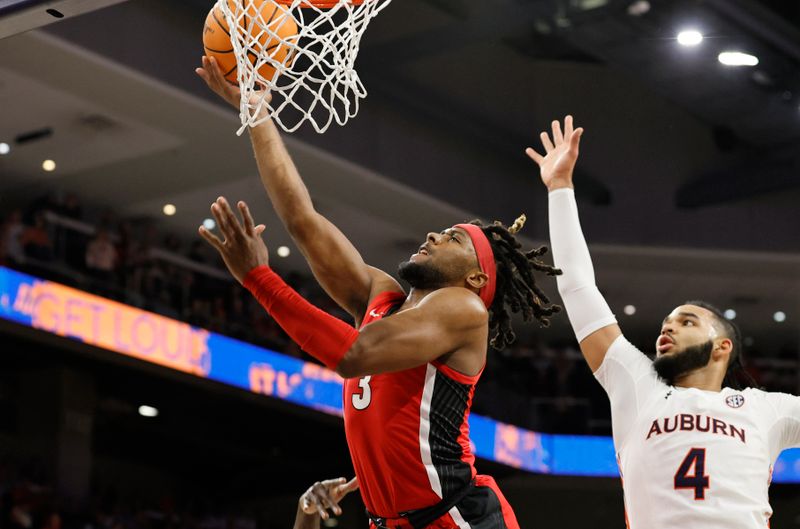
x=275 y=17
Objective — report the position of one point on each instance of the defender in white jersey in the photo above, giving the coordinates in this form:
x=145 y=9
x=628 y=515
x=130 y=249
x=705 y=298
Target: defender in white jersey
x=692 y=451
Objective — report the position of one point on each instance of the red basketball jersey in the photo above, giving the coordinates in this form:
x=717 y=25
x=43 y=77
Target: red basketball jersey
x=407 y=431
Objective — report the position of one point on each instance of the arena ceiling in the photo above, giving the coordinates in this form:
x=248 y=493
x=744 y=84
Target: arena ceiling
x=689 y=178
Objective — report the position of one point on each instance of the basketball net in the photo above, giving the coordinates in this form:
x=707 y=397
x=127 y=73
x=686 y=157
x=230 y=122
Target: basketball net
x=316 y=81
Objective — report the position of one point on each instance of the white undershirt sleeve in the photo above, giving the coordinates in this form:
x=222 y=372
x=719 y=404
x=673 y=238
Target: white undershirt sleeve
x=586 y=308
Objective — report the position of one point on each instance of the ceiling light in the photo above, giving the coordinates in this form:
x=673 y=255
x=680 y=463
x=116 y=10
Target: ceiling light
x=5 y=148
x=630 y=310
x=148 y=411
x=49 y=165
x=730 y=314
x=638 y=8
x=283 y=251
x=690 y=37
x=737 y=58
x=209 y=224
x=169 y=209
x=779 y=316
x=587 y=5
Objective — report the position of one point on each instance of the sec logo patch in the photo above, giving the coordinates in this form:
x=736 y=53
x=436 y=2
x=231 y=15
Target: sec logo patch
x=735 y=401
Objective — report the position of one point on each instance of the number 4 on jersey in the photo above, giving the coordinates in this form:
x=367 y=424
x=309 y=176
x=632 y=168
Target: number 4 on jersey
x=695 y=459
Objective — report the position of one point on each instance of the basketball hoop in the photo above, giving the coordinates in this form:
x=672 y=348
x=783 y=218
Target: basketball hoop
x=316 y=81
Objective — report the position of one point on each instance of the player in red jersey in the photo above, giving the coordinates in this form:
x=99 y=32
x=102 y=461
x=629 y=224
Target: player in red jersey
x=412 y=362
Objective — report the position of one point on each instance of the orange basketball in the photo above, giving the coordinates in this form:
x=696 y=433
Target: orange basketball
x=217 y=38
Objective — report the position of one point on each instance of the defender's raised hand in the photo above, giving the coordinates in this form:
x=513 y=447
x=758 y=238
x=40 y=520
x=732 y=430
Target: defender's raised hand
x=325 y=495
x=242 y=247
x=561 y=153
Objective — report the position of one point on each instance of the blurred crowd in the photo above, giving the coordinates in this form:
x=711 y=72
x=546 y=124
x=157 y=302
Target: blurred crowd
x=28 y=500
x=132 y=261
x=538 y=386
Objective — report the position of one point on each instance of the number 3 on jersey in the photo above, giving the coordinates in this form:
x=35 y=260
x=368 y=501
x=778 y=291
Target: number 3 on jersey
x=361 y=402
x=696 y=458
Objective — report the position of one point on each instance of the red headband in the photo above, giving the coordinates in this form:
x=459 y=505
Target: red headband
x=485 y=260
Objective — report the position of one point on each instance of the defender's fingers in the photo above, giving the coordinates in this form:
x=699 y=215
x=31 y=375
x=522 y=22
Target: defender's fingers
x=575 y=140
x=212 y=239
x=249 y=227
x=222 y=223
x=315 y=506
x=333 y=487
x=321 y=510
x=310 y=503
x=568 y=126
x=232 y=222
x=258 y=230
x=322 y=493
x=327 y=501
x=345 y=488
x=548 y=145
x=558 y=137
x=351 y=485
x=535 y=156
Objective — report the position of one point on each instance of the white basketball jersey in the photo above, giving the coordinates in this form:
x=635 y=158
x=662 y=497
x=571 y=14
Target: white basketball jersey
x=693 y=458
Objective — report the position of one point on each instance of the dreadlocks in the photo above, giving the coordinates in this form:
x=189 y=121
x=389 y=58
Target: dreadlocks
x=735 y=373
x=516 y=284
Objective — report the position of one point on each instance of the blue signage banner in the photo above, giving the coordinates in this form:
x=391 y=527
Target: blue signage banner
x=122 y=329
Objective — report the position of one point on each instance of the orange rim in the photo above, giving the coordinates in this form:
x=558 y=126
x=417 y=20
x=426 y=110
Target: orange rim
x=322 y=4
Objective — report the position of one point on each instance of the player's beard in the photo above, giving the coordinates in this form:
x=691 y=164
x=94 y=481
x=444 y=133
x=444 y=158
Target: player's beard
x=671 y=367
x=422 y=276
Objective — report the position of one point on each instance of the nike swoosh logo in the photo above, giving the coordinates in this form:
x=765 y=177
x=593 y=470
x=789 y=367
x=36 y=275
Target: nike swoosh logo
x=374 y=314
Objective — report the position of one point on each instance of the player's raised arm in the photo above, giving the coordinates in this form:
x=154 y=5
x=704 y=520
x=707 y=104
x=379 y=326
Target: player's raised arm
x=449 y=322
x=592 y=320
x=335 y=262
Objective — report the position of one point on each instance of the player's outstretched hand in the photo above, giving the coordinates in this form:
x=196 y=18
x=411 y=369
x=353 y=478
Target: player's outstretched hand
x=241 y=247
x=215 y=80
x=561 y=153
x=326 y=495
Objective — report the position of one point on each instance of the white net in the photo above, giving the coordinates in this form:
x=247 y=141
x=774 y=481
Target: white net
x=303 y=54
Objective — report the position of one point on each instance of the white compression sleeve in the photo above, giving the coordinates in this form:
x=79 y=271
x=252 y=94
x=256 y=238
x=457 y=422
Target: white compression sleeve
x=586 y=307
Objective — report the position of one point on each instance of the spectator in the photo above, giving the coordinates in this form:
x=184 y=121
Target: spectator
x=74 y=241
x=11 y=252
x=35 y=240
x=141 y=261
x=125 y=249
x=101 y=257
x=72 y=207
